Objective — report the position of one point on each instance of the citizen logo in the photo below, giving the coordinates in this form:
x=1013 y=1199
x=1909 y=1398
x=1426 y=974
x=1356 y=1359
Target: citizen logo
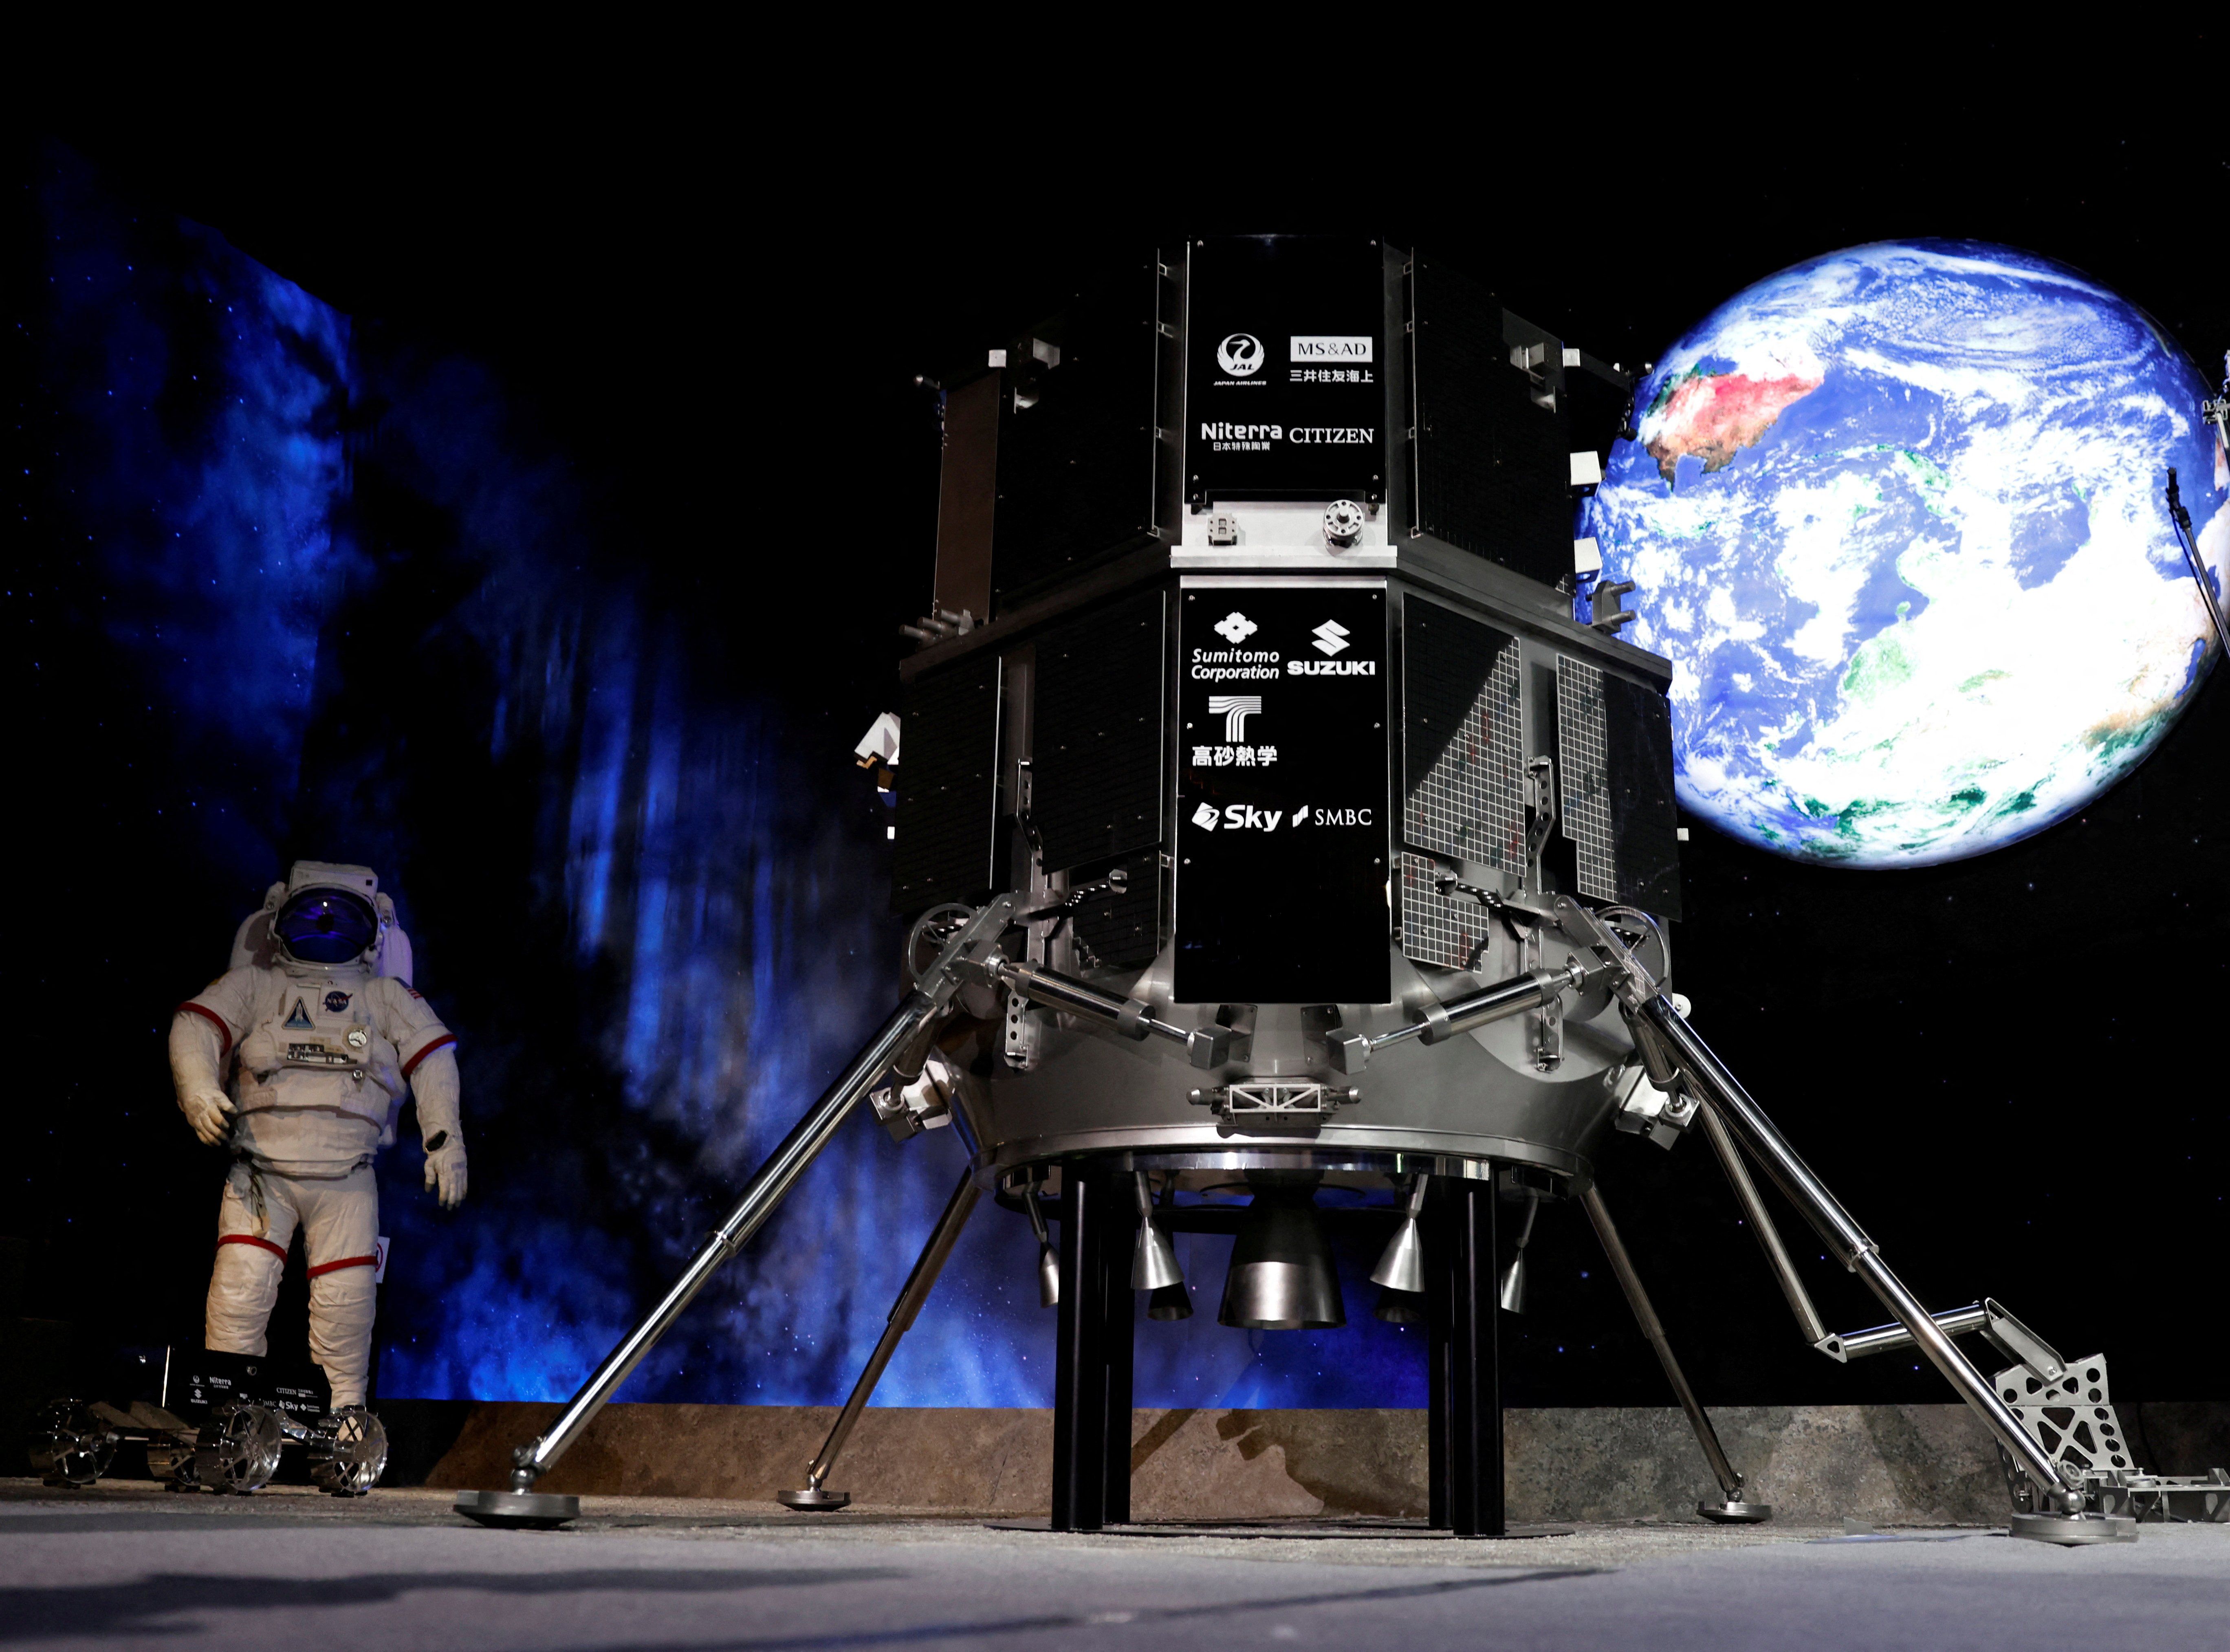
x=1332 y=435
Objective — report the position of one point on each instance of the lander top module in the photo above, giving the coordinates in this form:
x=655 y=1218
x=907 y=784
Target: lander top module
x=1267 y=816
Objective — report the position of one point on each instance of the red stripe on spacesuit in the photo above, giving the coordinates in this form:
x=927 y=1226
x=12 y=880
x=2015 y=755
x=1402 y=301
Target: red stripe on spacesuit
x=346 y=1262
x=278 y=1251
x=215 y=1020
x=411 y=1065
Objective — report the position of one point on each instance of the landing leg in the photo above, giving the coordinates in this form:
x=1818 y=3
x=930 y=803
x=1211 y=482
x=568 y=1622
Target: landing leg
x=1747 y=1123
x=1733 y=1511
x=1466 y=1416
x=814 y=1496
x=1079 y=1404
x=1117 y=1337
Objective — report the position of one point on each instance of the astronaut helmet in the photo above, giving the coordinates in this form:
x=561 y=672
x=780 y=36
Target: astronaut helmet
x=327 y=914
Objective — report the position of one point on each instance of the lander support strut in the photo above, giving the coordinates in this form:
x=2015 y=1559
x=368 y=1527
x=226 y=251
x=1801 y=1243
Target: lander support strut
x=901 y=1046
x=814 y=1497
x=1735 y=1510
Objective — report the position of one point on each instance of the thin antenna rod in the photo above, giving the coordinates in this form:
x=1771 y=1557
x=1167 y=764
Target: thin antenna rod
x=2181 y=518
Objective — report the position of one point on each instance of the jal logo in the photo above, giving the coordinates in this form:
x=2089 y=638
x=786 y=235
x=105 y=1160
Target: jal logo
x=1240 y=355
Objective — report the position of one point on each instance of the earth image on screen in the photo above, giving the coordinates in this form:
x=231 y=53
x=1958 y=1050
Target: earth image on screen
x=1897 y=517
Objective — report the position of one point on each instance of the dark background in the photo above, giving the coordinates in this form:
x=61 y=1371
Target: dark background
x=2008 y=1067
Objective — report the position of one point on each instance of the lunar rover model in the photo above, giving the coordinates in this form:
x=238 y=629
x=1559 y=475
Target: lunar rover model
x=1280 y=808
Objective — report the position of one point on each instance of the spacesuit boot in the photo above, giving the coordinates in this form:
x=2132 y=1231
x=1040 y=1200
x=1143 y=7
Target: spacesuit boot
x=322 y=1049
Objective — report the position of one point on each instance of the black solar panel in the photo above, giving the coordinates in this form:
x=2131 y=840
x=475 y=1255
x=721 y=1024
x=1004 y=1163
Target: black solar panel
x=1645 y=822
x=1615 y=786
x=1114 y=931
x=1463 y=749
x=1096 y=740
x=1492 y=464
x=1079 y=475
x=948 y=794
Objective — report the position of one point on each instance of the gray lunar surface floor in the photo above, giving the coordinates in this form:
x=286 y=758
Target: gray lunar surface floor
x=124 y=1565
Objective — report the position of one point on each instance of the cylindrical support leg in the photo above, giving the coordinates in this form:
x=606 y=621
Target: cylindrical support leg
x=1768 y=1237
x=915 y=1292
x=1621 y=1267
x=1747 y=1122
x=768 y=1186
x=1473 y=1499
x=894 y=1044
x=1079 y=1404
x=1118 y=1336
x=1440 y=1320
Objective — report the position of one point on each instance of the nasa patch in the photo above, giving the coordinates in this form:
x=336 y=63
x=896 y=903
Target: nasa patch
x=336 y=1002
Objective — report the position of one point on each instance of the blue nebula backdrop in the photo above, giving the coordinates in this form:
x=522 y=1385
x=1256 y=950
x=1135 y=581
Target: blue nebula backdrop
x=339 y=592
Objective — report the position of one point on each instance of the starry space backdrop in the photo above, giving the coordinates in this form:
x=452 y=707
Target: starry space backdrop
x=524 y=526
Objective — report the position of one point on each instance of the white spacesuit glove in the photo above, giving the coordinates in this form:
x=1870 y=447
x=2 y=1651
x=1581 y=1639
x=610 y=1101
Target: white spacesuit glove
x=445 y=1172
x=209 y=1111
x=433 y=1085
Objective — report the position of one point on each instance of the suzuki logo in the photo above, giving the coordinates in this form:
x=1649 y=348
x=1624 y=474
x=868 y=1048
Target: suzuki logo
x=1235 y=710
x=1236 y=626
x=1331 y=637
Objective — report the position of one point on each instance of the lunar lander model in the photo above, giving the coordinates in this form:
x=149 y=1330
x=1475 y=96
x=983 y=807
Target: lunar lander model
x=1267 y=817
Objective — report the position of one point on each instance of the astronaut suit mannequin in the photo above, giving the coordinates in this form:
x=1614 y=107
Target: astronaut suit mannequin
x=330 y=1036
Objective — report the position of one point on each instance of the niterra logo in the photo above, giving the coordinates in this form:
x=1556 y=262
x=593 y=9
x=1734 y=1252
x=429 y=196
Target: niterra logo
x=1240 y=355
x=1236 y=626
x=1235 y=710
x=1331 y=637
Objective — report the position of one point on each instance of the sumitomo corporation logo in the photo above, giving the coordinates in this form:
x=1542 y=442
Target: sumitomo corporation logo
x=1240 y=355
x=1236 y=626
x=1331 y=637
